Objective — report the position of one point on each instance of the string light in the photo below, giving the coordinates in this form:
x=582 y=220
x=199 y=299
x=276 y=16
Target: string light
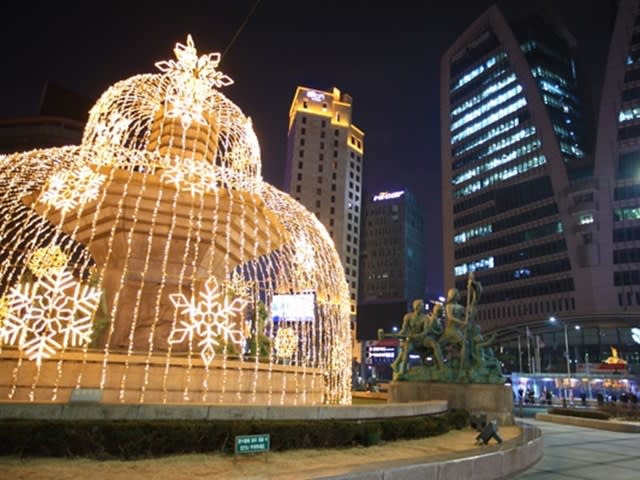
x=164 y=200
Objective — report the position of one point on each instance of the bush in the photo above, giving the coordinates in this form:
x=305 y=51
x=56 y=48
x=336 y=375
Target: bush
x=458 y=418
x=582 y=413
x=625 y=411
x=129 y=439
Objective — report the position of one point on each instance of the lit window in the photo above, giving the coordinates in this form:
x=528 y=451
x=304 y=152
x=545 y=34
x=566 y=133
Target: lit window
x=489 y=119
x=485 y=107
x=478 y=70
x=500 y=176
x=585 y=219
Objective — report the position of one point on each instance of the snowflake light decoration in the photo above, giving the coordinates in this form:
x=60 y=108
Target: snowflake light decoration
x=46 y=260
x=193 y=78
x=210 y=318
x=188 y=174
x=286 y=342
x=67 y=189
x=51 y=313
x=238 y=285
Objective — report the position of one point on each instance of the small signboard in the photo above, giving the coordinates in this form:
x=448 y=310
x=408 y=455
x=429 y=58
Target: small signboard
x=253 y=443
x=86 y=395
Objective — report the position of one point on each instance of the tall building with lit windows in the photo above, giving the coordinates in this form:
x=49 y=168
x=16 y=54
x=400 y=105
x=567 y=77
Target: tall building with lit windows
x=615 y=191
x=324 y=170
x=393 y=251
x=527 y=198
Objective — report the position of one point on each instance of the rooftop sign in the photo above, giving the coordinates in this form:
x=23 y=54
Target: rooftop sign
x=315 y=96
x=387 y=195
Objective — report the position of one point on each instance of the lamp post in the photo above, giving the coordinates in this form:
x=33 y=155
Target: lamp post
x=566 y=354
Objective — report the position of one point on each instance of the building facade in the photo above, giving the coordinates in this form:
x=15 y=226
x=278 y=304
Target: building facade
x=392 y=274
x=59 y=122
x=527 y=203
x=26 y=133
x=393 y=251
x=324 y=170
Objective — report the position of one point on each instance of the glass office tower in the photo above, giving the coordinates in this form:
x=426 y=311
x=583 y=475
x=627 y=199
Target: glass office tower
x=526 y=203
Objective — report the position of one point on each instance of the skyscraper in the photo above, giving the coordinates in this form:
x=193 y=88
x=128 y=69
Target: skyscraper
x=393 y=260
x=525 y=206
x=324 y=170
x=616 y=189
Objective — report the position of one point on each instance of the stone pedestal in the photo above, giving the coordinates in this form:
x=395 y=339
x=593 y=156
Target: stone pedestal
x=496 y=401
x=157 y=379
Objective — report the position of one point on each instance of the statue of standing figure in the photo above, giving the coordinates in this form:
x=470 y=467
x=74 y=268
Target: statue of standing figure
x=412 y=327
x=455 y=320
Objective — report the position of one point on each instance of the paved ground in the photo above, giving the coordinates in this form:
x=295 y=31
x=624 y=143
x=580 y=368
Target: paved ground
x=583 y=453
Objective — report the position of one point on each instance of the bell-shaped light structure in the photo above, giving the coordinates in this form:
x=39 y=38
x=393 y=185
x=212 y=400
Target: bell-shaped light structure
x=148 y=261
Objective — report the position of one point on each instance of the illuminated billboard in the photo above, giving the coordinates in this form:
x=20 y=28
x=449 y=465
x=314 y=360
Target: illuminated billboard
x=295 y=307
x=387 y=195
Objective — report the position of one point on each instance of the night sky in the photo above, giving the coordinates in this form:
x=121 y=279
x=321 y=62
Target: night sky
x=386 y=55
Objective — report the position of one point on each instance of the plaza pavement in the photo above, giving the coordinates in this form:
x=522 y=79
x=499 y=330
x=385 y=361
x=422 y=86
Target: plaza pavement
x=575 y=453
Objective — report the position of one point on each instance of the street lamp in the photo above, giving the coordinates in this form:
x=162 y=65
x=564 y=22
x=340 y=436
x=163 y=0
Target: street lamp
x=566 y=354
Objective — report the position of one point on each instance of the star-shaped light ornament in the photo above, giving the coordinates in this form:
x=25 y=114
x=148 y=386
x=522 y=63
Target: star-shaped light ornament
x=192 y=78
x=50 y=314
x=210 y=318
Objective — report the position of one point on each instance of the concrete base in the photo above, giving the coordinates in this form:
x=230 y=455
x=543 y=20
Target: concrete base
x=496 y=401
x=158 y=379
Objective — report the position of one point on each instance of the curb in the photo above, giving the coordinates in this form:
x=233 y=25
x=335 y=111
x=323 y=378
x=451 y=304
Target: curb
x=498 y=461
x=100 y=411
x=611 y=425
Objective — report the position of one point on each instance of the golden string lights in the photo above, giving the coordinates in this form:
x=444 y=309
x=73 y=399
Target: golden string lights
x=148 y=259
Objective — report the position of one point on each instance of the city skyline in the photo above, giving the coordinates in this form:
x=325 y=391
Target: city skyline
x=388 y=61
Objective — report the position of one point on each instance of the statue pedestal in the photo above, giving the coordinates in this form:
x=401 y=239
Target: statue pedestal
x=496 y=401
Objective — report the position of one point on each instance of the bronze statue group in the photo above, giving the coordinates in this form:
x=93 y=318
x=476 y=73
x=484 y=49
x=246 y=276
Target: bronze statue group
x=450 y=345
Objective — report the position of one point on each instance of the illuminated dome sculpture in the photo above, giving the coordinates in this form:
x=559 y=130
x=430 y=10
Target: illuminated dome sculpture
x=145 y=262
